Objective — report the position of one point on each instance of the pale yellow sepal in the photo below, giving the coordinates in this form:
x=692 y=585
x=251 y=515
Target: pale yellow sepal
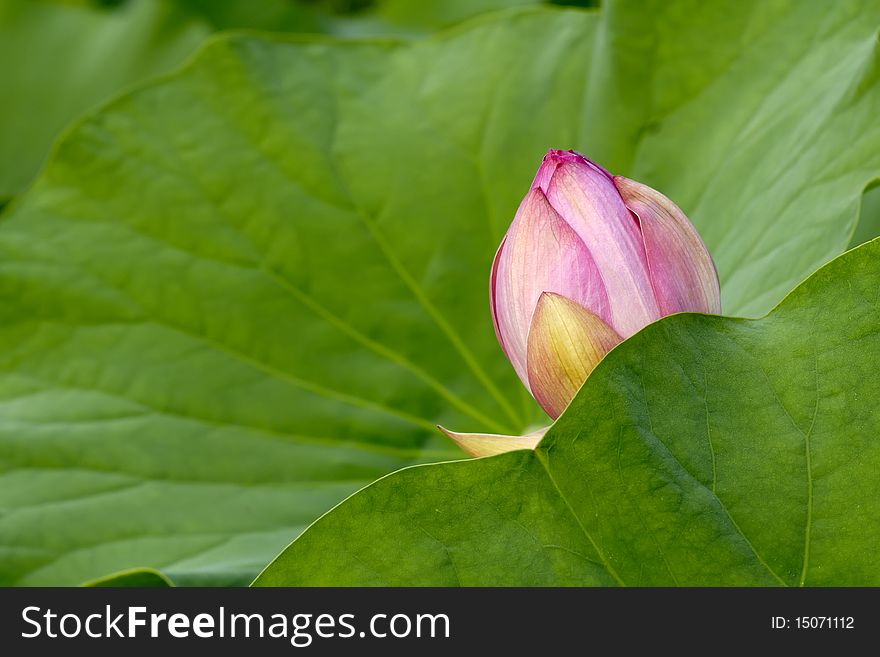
x=490 y=444
x=566 y=341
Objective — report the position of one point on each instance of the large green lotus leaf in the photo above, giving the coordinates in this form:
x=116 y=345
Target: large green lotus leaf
x=237 y=296
x=703 y=451
x=56 y=61
x=59 y=58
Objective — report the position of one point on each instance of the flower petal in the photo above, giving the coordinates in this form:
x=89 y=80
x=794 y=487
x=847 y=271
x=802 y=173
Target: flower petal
x=490 y=444
x=682 y=271
x=493 y=277
x=541 y=253
x=586 y=198
x=566 y=342
x=553 y=159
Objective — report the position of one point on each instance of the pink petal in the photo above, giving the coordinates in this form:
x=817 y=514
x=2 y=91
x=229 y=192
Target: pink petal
x=490 y=444
x=566 y=342
x=681 y=269
x=590 y=203
x=493 y=277
x=553 y=159
x=540 y=253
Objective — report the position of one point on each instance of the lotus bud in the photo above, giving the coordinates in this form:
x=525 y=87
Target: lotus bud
x=589 y=259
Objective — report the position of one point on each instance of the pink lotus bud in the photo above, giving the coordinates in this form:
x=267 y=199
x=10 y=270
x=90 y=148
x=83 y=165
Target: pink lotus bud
x=590 y=259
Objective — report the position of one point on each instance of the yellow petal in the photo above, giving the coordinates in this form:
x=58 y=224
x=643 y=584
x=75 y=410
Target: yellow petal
x=490 y=444
x=566 y=341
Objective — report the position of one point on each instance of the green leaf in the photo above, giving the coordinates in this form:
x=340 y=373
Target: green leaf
x=59 y=58
x=869 y=216
x=236 y=296
x=702 y=451
x=134 y=578
x=57 y=61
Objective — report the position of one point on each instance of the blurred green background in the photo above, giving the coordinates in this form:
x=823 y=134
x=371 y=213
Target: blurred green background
x=59 y=58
